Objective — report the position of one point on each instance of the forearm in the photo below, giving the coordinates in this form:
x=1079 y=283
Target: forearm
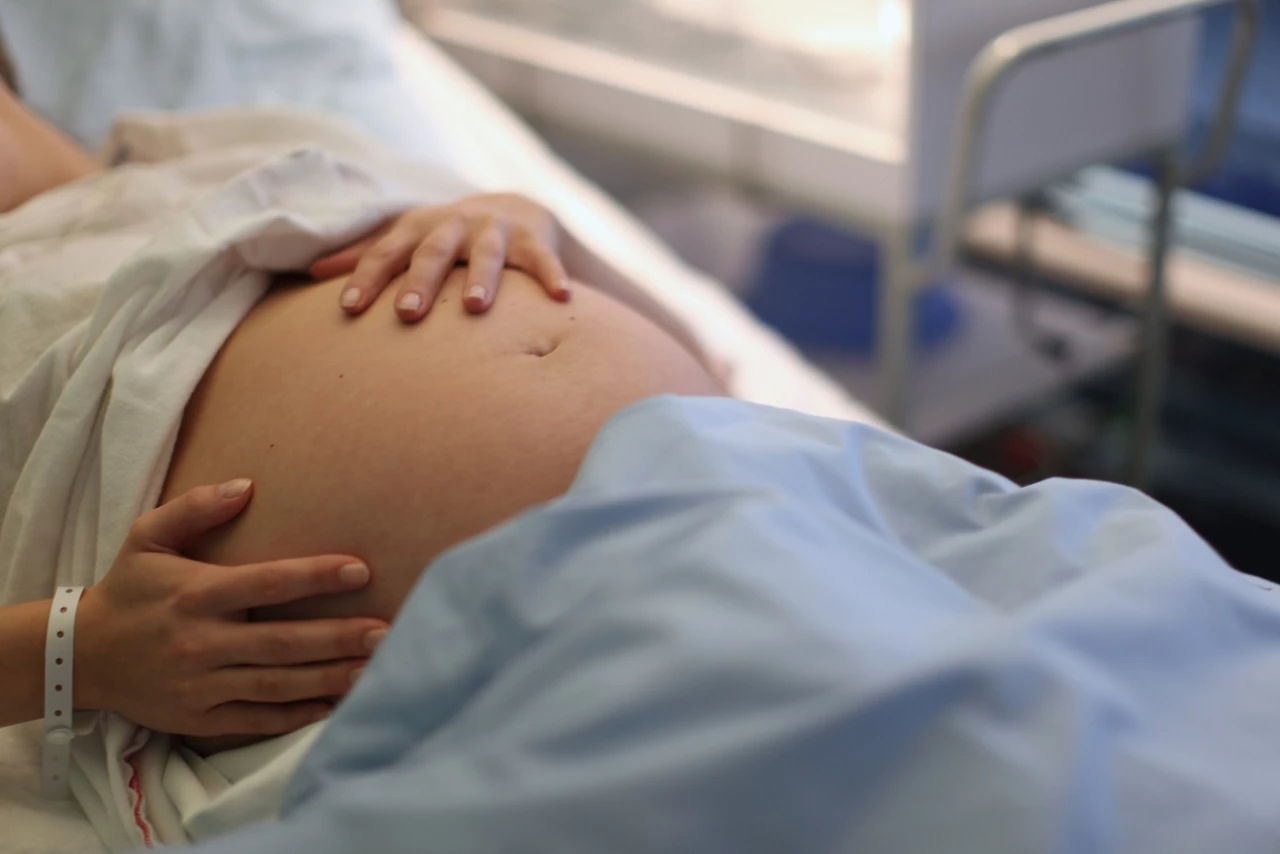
x=34 y=155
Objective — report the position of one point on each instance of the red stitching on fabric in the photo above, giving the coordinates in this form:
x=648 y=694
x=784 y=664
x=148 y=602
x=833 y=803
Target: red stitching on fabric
x=135 y=784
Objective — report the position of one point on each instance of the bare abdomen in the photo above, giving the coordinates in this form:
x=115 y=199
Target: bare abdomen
x=393 y=442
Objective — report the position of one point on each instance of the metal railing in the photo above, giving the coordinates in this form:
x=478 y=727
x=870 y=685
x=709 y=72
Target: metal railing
x=1016 y=48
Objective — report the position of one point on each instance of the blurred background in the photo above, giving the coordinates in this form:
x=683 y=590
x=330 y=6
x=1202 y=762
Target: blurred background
x=1026 y=369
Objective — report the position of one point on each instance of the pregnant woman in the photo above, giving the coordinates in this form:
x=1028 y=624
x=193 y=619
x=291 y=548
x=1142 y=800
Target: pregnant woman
x=375 y=439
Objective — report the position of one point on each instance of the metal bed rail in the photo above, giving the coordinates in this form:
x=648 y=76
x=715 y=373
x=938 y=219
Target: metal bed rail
x=1017 y=47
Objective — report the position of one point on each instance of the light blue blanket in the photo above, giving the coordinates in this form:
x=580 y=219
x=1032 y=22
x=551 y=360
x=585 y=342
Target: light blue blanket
x=749 y=630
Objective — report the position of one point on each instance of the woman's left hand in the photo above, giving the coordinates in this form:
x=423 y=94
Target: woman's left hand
x=421 y=246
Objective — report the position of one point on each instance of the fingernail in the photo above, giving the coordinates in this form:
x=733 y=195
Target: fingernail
x=355 y=675
x=475 y=292
x=354 y=574
x=373 y=638
x=235 y=488
x=409 y=302
x=350 y=297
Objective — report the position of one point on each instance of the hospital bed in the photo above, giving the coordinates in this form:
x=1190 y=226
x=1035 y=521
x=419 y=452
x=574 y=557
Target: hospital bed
x=494 y=149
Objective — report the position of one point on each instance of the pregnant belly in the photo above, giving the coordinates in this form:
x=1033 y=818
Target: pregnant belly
x=392 y=442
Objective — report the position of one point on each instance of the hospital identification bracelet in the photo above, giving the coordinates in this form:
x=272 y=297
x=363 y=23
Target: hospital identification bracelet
x=59 y=647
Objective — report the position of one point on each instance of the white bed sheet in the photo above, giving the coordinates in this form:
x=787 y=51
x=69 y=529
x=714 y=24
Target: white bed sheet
x=492 y=148
x=28 y=822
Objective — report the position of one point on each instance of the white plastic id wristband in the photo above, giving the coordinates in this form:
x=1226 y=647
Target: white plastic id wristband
x=59 y=646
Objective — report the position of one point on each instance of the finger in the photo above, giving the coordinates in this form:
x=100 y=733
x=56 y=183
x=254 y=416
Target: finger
x=240 y=718
x=486 y=258
x=342 y=261
x=431 y=263
x=536 y=259
x=225 y=589
x=174 y=524
x=383 y=260
x=297 y=642
x=287 y=684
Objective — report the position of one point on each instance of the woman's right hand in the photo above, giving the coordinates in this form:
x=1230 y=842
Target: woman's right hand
x=420 y=247
x=164 y=641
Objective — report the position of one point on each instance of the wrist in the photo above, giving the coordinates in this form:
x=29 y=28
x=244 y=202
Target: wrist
x=88 y=686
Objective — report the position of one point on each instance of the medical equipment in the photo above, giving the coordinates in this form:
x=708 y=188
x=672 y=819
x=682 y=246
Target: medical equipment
x=1021 y=47
x=1221 y=278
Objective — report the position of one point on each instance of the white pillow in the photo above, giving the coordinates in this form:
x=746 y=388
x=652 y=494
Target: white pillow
x=81 y=64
